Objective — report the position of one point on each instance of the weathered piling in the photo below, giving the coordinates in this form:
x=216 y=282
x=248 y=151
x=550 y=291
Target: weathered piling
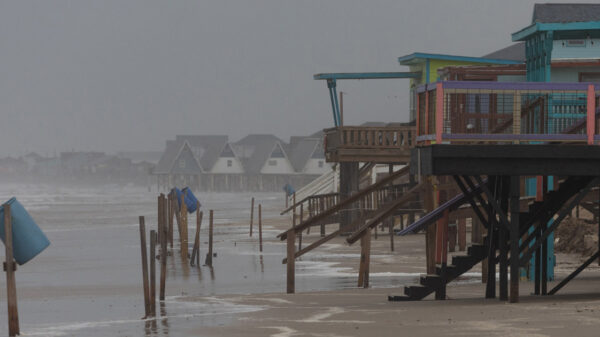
x=291 y=251
x=209 y=255
x=365 y=259
x=162 y=228
x=392 y=221
x=260 y=245
x=301 y=220
x=153 y=273
x=196 y=250
x=251 y=215
x=10 y=268
x=144 y=266
x=170 y=218
x=184 y=229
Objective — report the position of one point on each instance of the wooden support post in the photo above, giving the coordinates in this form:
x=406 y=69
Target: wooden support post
x=144 y=246
x=153 y=273
x=251 y=215
x=163 y=247
x=260 y=245
x=462 y=234
x=291 y=250
x=321 y=209
x=429 y=231
x=209 y=255
x=301 y=219
x=545 y=261
x=170 y=207
x=10 y=268
x=196 y=250
x=490 y=289
x=365 y=259
x=514 y=238
x=442 y=239
x=392 y=233
x=184 y=229
x=452 y=234
x=538 y=261
x=503 y=240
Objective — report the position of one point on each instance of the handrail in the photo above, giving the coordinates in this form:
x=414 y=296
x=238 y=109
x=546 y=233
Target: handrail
x=316 y=196
x=386 y=213
x=437 y=213
x=351 y=199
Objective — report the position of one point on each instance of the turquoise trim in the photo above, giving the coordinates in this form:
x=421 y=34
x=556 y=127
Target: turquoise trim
x=427 y=71
x=526 y=32
x=365 y=76
x=408 y=59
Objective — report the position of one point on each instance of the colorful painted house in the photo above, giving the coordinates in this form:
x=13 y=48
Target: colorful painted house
x=562 y=43
x=427 y=65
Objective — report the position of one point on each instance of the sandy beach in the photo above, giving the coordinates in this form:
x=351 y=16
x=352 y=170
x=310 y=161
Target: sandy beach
x=88 y=282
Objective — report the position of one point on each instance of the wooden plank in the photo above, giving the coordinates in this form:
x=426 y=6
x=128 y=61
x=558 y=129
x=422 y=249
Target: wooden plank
x=11 y=267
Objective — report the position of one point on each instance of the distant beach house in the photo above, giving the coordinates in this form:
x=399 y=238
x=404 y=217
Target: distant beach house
x=258 y=162
x=307 y=155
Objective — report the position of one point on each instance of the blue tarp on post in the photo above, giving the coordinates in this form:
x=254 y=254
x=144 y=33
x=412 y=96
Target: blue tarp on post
x=289 y=190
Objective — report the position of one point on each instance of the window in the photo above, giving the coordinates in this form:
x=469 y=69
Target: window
x=320 y=163
x=182 y=163
x=229 y=163
x=272 y=163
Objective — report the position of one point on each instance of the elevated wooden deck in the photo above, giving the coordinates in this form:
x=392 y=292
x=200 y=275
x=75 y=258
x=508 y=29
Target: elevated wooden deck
x=386 y=144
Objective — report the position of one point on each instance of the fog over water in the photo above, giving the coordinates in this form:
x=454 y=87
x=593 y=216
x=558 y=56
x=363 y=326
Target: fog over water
x=126 y=75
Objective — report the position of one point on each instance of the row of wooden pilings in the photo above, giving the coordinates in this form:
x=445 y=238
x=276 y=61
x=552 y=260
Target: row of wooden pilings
x=168 y=209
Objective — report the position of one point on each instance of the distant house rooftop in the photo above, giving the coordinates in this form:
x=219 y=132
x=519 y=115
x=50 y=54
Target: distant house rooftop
x=514 y=52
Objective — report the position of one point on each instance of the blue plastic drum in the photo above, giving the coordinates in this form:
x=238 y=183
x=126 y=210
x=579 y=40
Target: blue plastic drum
x=28 y=238
x=190 y=199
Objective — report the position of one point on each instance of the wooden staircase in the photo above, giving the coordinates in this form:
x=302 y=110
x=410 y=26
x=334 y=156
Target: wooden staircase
x=538 y=212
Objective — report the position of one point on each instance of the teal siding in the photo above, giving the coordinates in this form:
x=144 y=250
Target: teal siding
x=589 y=50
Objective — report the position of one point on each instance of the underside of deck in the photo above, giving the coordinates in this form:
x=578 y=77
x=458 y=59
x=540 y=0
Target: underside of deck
x=516 y=160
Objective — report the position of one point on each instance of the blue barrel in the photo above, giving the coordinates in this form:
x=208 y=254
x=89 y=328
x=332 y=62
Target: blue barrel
x=190 y=199
x=28 y=238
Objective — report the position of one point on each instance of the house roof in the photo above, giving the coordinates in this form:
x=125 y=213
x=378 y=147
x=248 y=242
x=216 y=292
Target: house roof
x=206 y=148
x=514 y=52
x=254 y=150
x=166 y=160
x=303 y=151
x=561 y=13
x=563 y=19
x=420 y=57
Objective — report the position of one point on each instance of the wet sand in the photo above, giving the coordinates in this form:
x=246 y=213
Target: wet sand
x=88 y=283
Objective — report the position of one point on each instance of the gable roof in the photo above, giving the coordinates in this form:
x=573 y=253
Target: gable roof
x=206 y=148
x=303 y=151
x=254 y=150
x=166 y=160
x=560 y=13
x=514 y=52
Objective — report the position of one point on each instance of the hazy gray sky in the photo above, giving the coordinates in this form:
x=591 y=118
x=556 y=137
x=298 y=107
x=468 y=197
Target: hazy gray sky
x=126 y=75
